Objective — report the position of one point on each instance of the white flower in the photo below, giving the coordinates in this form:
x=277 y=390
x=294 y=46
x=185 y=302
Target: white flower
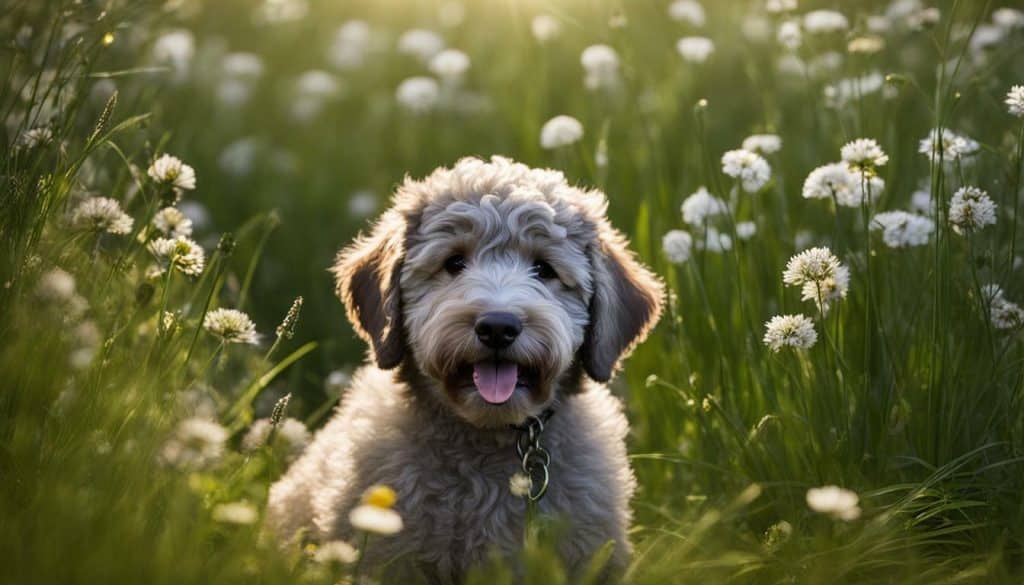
x=336 y=382
x=866 y=45
x=1015 y=101
x=677 y=246
x=420 y=43
x=987 y=36
x=336 y=551
x=196 y=442
x=181 y=253
x=102 y=214
x=714 y=241
x=560 y=131
x=169 y=170
x=762 y=143
x=789 y=34
x=778 y=6
x=796 y=331
x=449 y=64
x=1005 y=314
x=814 y=265
x=601 y=64
x=746 y=230
x=282 y=11
x=701 y=205
x=235 y=513
x=231 y=325
x=952 y=146
x=172 y=222
x=823 y=292
x=689 y=11
x=838 y=180
x=1008 y=18
x=351 y=45
x=362 y=203
x=901 y=229
x=377 y=520
x=247 y=66
x=520 y=484
x=971 y=209
x=921 y=201
x=848 y=90
x=834 y=501
x=825 y=21
x=34 y=138
x=317 y=84
x=695 y=49
x=418 y=94
x=175 y=49
x=864 y=154
x=750 y=168
x=545 y=27
x=56 y=285
x=291 y=431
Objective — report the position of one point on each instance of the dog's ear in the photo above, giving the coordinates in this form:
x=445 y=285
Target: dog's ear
x=367 y=275
x=626 y=304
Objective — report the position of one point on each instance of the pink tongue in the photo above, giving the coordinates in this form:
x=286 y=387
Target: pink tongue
x=495 y=381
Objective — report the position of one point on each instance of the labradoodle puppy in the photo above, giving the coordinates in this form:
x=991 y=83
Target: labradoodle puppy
x=490 y=293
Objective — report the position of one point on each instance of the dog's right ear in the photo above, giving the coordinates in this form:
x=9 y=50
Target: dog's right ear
x=367 y=274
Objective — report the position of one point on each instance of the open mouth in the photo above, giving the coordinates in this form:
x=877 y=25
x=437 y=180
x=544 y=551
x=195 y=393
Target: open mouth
x=496 y=380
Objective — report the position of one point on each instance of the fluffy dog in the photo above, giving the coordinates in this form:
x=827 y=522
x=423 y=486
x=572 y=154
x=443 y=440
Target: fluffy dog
x=489 y=293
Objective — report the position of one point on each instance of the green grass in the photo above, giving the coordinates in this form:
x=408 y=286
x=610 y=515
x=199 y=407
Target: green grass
x=911 y=398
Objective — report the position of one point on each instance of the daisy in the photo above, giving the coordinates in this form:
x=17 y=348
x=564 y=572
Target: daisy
x=834 y=501
x=971 y=209
x=418 y=94
x=677 y=246
x=1015 y=101
x=701 y=205
x=695 y=49
x=231 y=325
x=172 y=223
x=750 y=168
x=102 y=214
x=796 y=331
x=375 y=513
x=865 y=155
x=762 y=143
x=181 y=253
x=169 y=170
x=560 y=131
x=901 y=229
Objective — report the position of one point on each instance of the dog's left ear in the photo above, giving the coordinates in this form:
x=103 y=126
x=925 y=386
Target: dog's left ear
x=367 y=275
x=626 y=304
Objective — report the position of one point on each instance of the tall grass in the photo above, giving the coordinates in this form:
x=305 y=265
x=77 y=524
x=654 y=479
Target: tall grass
x=911 y=397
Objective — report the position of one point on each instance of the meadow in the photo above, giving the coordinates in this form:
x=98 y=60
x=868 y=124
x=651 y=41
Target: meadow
x=829 y=189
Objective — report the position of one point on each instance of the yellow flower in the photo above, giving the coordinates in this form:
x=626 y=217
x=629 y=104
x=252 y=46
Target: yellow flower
x=380 y=496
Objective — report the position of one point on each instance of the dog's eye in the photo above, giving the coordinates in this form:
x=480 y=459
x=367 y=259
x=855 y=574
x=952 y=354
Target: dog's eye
x=543 y=270
x=455 y=264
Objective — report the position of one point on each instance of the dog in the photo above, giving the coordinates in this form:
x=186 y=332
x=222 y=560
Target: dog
x=491 y=295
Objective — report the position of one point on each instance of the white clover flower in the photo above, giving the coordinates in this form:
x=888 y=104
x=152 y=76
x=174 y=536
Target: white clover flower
x=838 y=180
x=695 y=49
x=545 y=27
x=102 y=214
x=746 y=230
x=197 y=442
x=336 y=551
x=1005 y=315
x=291 y=431
x=688 y=11
x=450 y=64
x=779 y=6
x=789 y=35
x=819 y=22
x=55 y=286
x=420 y=43
x=181 y=253
x=971 y=209
x=418 y=94
x=34 y=138
x=169 y=170
x=796 y=331
x=762 y=143
x=677 y=245
x=375 y=513
x=834 y=501
x=560 y=131
x=901 y=229
x=235 y=513
x=171 y=222
x=750 y=168
x=1008 y=18
x=864 y=154
x=824 y=292
x=520 y=484
x=952 y=146
x=813 y=265
x=231 y=325
x=701 y=205
x=601 y=64
x=714 y=241
x=1015 y=101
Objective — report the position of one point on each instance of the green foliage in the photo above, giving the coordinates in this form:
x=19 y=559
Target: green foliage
x=136 y=446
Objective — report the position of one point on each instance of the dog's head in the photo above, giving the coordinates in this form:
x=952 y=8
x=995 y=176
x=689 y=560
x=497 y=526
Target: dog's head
x=498 y=282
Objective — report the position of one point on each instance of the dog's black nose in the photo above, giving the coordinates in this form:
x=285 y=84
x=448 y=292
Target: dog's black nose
x=498 y=330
